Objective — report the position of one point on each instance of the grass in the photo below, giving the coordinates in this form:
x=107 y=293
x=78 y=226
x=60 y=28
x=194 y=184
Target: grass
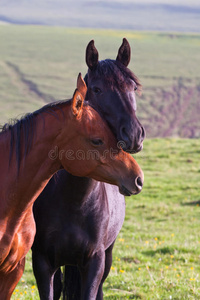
x=157 y=252
x=156 y=255
x=51 y=58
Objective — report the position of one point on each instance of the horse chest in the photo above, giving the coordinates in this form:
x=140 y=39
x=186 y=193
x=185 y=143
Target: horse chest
x=15 y=252
x=77 y=241
x=83 y=236
x=13 y=247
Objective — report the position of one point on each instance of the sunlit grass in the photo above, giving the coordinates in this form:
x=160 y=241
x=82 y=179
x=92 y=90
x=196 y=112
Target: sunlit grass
x=156 y=255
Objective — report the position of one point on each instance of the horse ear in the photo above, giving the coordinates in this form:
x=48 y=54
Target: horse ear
x=92 y=55
x=77 y=103
x=124 y=53
x=79 y=96
x=81 y=85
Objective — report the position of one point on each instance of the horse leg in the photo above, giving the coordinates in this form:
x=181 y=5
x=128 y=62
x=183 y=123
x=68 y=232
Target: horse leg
x=44 y=276
x=91 y=275
x=57 y=284
x=71 y=283
x=108 y=264
x=9 y=280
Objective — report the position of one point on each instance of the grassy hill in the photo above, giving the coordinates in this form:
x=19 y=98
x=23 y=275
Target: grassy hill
x=39 y=64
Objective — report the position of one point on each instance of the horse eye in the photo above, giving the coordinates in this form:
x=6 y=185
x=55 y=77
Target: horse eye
x=135 y=88
x=96 y=90
x=97 y=142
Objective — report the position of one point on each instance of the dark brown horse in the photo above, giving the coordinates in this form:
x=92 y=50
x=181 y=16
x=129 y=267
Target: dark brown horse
x=89 y=214
x=111 y=91
x=36 y=147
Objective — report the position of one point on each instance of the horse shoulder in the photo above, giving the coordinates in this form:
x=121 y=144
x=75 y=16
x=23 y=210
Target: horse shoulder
x=17 y=244
x=116 y=204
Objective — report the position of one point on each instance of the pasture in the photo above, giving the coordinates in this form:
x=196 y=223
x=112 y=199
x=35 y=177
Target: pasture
x=157 y=254
x=40 y=64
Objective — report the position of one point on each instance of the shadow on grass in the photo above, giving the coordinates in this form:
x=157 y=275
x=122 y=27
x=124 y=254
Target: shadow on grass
x=135 y=297
x=155 y=219
x=165 y=250
x=161 y=220
x=128 y=296
x=192 y=203
x=168 y=250
x=130 y=260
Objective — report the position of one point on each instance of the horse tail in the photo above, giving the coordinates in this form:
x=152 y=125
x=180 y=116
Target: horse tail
x=71 y=283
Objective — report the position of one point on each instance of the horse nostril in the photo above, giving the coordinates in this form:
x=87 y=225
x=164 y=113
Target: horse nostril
x=139 y=183
x=124 y=134
x=143 y=133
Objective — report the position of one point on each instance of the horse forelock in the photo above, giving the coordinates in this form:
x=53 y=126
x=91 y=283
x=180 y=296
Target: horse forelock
x=114 y=74
x=89 y=114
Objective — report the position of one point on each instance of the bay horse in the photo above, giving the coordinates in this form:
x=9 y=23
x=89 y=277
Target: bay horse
x=78 y=219
x=36 y=147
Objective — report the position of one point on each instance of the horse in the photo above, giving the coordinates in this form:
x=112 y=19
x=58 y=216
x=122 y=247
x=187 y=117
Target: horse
x=111 y=92
x=32 y=150
x=89 y=214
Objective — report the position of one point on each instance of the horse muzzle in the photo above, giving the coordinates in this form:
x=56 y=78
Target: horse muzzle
x=138 y=184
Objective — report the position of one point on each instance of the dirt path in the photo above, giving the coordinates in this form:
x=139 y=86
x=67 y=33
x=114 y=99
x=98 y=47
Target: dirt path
x=26 y=87
x=173 y=111
x=182 y=102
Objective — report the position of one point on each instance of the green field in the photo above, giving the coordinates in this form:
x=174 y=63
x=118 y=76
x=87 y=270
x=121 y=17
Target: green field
x=40 y=64
x=157 y=254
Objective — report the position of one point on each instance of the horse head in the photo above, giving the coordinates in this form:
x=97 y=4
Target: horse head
x=111 y=91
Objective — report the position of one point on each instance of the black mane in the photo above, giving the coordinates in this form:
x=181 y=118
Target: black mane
x=115 y=74
x=25 y=127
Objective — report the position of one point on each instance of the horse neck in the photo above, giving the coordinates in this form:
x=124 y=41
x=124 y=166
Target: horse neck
x=19 y=187
x=79 y=188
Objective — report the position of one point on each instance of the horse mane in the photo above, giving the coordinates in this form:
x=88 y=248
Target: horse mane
x=115 y=74
x=25 y=126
